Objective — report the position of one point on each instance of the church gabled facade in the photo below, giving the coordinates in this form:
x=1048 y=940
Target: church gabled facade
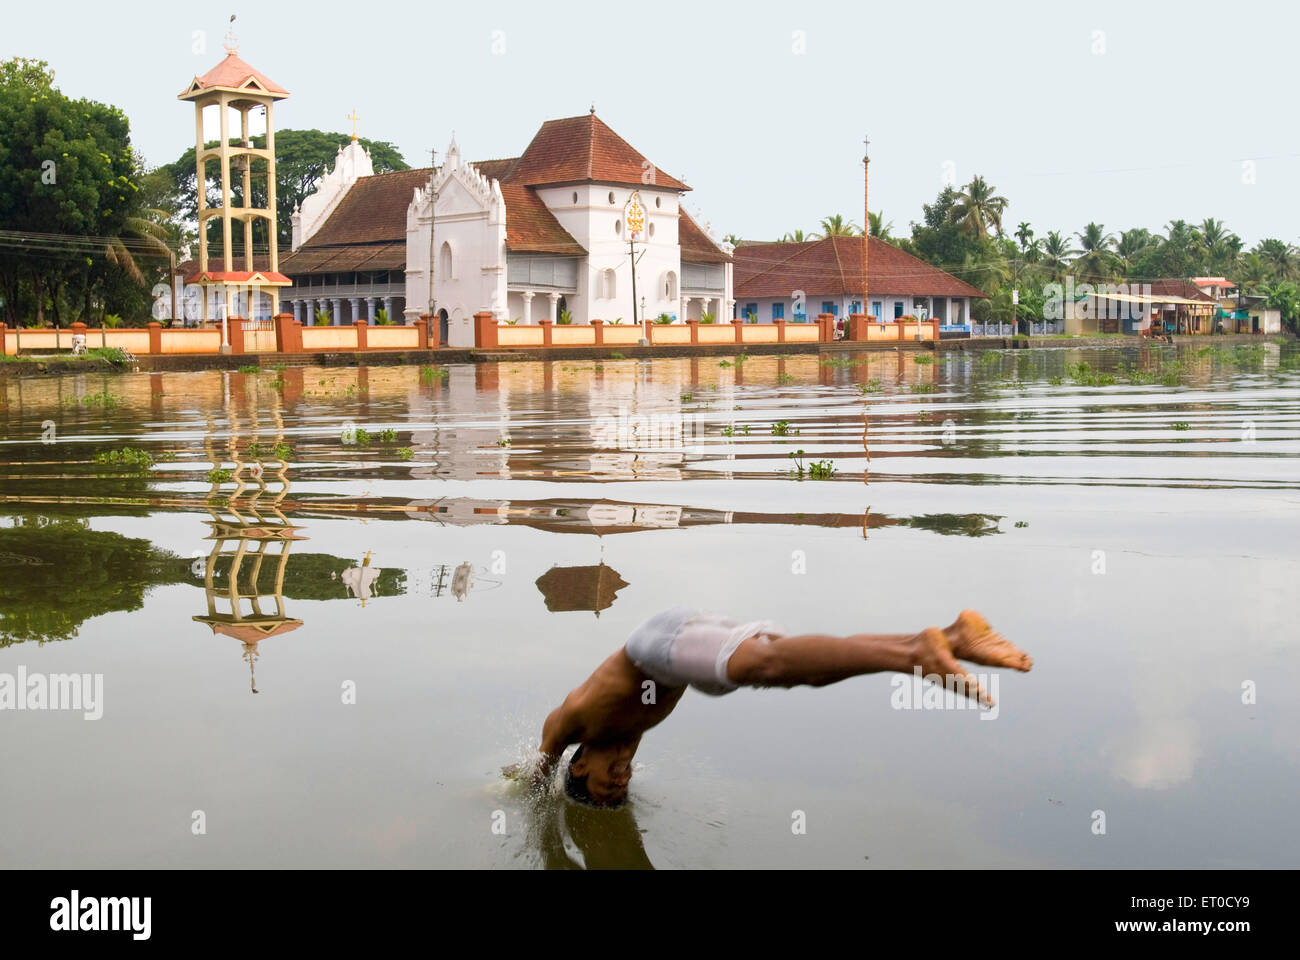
x=539 y=236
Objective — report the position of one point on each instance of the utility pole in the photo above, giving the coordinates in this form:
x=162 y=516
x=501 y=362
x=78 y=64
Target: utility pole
x=866 y=223
x=433 y=204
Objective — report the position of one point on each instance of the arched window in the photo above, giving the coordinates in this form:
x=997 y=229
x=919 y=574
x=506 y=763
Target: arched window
x=444 y=262
x=608 y=285
x=670 y=285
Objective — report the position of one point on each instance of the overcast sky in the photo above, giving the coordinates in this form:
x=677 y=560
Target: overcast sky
x=1130 y=114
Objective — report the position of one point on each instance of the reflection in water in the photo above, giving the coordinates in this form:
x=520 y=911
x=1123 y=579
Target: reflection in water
x=580 y=588
x=599 y=839
x=256 y=528
x=361 y=580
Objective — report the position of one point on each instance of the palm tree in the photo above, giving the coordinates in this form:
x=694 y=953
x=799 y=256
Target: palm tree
x=1252 y=272
x=732 y=239
x=1132 y=245
x=978 y=207
x=878 y=229
x=1279 y=256
x=144 y=234
x=1024 y=235
x=1056 y=254
x=836 y=226
x=1096 y=259
x=796 y=236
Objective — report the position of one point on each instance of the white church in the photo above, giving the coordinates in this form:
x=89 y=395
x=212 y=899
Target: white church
x=538 y=236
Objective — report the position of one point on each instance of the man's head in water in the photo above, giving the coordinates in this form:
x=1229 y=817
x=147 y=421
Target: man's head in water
x=599 y=775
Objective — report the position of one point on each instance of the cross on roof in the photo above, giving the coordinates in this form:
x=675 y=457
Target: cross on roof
x=353 y=116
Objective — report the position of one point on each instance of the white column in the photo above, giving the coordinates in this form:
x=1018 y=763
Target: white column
x=528 y=306
x=370 y=309
x=356 y=309
x=555 y=304
x=388 y=309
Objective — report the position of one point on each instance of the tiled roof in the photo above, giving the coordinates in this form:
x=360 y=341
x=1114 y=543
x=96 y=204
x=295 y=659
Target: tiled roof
x=235 y=74
x=495 y=169
x=1178 y=287
x=583 y=149
x=696 y=245
x=345 y=258
x=531 y=227
x=833 y=265
x=189 y=269
x=367 y=230
x=372 y=211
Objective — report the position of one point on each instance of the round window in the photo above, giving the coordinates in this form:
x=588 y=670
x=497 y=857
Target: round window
x=611 y=196
x=652 y=229
x=659 y=201
x=618 y=227
x=575 y=196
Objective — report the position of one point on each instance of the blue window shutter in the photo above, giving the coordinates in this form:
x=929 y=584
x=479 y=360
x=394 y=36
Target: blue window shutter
x=778 y=311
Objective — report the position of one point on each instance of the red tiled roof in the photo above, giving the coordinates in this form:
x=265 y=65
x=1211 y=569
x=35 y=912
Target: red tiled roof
x=1178 y=287
x=833 y=265
x=531 y=227
x=495 y=169
x=235 y=74
x=697 y=246
x=372 y=211
x=189 y=271
x=583 y=149
x=367 y=230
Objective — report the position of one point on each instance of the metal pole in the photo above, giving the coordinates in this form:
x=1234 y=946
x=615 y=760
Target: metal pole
x=631 y=254
x=433 y=203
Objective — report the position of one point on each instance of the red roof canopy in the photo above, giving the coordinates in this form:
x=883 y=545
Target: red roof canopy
x=234 y=74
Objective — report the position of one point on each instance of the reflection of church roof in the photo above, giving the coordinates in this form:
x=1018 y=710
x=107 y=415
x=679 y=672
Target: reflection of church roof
x=580 y=588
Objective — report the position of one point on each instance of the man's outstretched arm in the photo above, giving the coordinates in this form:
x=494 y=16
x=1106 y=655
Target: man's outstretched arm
x=560 y=729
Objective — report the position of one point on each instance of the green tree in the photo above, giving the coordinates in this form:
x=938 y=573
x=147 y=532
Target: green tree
x=1057 y=254
x=878 y=228
x=302 y=158
x=979 y=207
x=836 y=226
x=68 y=173
x=1096 y=260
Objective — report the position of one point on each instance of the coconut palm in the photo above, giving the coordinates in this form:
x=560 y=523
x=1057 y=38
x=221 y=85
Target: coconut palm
x=878 y=228
x=1132 y=246
x=1279 y=256
x=1056 y=254
x=795 y=236
x=978 y=208
x=732 y=239
x=1096 y=258
x=1251 y=272
x=143 y=235
x=836 y=226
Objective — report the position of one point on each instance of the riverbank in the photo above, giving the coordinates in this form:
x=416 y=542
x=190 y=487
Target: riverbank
x=37 y=366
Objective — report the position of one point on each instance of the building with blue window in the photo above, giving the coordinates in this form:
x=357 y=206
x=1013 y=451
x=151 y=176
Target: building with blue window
x=797 y=281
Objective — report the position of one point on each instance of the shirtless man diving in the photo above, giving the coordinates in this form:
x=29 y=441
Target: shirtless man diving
x=640 y=684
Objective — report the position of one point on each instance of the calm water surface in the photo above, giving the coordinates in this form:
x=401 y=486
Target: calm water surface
x=1131 y=524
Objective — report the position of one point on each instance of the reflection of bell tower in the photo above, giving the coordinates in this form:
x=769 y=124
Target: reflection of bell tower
x=234 y=85
x=249 y=519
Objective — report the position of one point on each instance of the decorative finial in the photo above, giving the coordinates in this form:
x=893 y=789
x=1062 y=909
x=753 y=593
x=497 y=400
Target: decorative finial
x=232 y=45
x=593 y=109
x=866 y=158
x=354 y=118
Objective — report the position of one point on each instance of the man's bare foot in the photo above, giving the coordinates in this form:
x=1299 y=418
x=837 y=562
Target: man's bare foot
x=935 y=656
x=971 y=638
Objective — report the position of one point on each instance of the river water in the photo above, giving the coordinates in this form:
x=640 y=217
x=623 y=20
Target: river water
x=425 y=560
